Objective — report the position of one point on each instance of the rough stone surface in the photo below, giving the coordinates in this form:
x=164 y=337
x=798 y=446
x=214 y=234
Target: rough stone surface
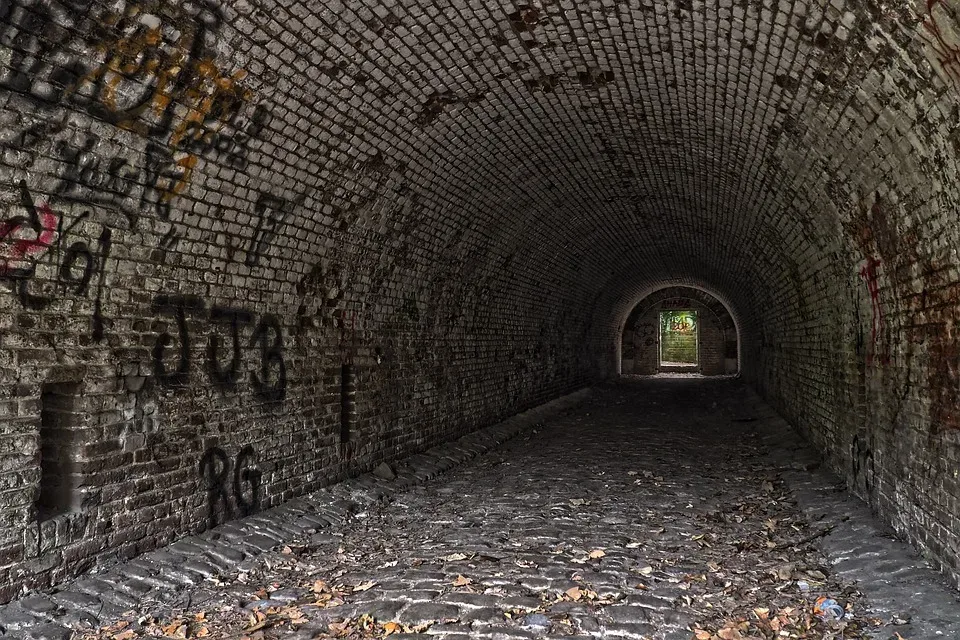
x=252 y=248
x=505 y=545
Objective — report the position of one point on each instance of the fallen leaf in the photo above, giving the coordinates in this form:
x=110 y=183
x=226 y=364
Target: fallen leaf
x=391 y=627
x=596 y=554
x=574 y=593
x=461 y=581
x=364 y=586
x=454 y=557
x=125 y=635
x=176 y=629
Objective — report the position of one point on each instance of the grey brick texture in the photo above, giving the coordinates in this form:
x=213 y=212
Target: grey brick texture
x=251 y=248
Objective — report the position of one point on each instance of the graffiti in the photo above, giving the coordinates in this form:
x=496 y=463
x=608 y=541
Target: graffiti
x=234 y=318
x=24 y=238
x=878 y=351
x=86 y=177
x=167 y=243
x=271 y=358
x=166 y=178
x=271 y=212
x=321 y=294
x=244 y=484
x=679 y=321
x=946 y=48
x=27 y=244
x=104 y=244
x=859 y=344
x=225 y=139
x=34 y=33
x=269 y=382
x=861 y=456
x=410 y=309
x=143 y=66
x=31 y=135
x=139 y=60
x=178 y=306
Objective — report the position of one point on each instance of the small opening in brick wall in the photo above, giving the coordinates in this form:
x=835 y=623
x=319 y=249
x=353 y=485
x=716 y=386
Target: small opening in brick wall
x=679 y=339
x=59 y=473
x=347 y=393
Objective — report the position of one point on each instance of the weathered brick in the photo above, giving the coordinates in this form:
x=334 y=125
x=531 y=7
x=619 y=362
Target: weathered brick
x=192 y=252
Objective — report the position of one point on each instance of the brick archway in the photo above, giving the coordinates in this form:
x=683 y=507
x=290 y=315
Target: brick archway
x=718 y=353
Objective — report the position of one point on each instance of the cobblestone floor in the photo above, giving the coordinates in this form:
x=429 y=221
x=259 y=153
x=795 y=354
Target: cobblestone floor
x=658 y=508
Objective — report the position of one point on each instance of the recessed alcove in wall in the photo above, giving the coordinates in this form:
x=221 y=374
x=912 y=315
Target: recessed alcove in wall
x=60 y=476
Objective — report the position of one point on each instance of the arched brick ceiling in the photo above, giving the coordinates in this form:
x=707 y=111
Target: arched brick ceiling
x=600 y=148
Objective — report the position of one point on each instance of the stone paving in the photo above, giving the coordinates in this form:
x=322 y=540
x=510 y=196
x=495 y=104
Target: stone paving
x=662 y=509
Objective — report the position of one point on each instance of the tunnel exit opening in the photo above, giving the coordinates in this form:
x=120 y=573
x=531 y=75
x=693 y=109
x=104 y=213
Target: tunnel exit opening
x=679 y=329
x=679 y=340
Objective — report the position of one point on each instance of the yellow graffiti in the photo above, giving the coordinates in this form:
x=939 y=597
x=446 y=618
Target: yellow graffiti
x=157 y=86
x=212 y=101
x=186 y=164
x=136 y=67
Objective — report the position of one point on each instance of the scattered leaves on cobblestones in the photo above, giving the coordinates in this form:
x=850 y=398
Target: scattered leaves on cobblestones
x=726 y=556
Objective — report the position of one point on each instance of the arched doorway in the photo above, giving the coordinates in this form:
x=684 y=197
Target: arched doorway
x=680 y=329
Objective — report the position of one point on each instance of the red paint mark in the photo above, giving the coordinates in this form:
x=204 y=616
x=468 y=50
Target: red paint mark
x=927 y=304
x=869 y=275
x=16 y=251
x=948 y=55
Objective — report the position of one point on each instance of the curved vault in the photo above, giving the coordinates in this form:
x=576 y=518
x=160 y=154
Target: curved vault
x=356 y=230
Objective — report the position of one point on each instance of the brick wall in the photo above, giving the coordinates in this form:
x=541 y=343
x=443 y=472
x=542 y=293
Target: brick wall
x=640 y=345
x=210 y=213
x=233 y=272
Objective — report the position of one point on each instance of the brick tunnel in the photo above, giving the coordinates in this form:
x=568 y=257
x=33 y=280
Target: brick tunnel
x=255 y=249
